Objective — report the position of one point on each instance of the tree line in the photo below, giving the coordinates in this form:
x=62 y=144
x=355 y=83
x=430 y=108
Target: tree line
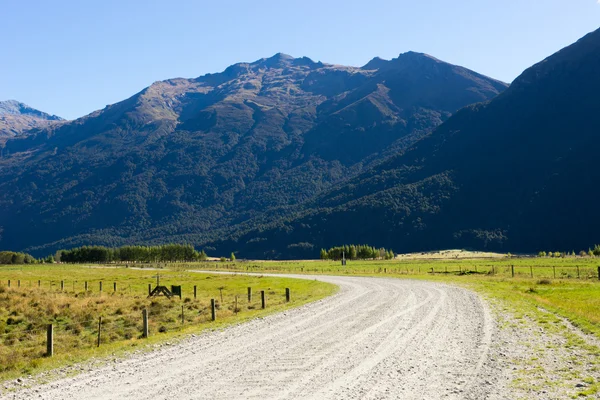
x=144 y=254
x=11 y=257
x=356 y=252
x=595 y=252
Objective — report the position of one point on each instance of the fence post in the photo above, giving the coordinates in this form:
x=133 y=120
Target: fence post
x=19 y=283
x=101 y=286
x=531 y=270
x=182 y=315
x=578 y=276
x=235 y=310
x=264 y=302
x=62 y=286
x=86 y=286
x=39 y=283
x=114 y=286
x=9 y=283
x=599 y=273
x=249 y=293
x=512 y=270
x=145 y=323
x=194 y=292
x=149 y=289
x=50 y=341
x=287 y=295
x=99 y=330
x=213 y=309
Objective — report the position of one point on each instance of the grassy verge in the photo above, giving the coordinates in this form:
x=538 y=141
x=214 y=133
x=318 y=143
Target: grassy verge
x=40 y=295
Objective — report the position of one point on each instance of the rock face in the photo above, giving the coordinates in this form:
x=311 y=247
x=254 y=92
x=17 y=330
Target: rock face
x=186 y=157
x=518 y=174
x=16 y=118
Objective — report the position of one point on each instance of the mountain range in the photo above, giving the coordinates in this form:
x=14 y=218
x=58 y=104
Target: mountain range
x=283 y=156
x=189 y=159
x=16 y=118
x=517 y=173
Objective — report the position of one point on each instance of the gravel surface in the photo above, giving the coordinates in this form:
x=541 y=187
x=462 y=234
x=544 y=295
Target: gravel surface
x=376 y=339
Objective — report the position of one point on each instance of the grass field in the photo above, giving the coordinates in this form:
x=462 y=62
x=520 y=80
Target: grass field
x=566 y=287
x=40 y=295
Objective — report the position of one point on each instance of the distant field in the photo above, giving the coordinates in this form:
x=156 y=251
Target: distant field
x=567 y=286
x=35 y=299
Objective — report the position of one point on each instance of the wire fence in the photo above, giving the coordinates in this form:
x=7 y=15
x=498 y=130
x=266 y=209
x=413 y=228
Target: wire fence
x=22 y=342
x=534 y=271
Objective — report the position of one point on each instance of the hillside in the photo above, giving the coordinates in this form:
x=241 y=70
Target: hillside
x=186 y=157
x=16 y=118
x=515 y=174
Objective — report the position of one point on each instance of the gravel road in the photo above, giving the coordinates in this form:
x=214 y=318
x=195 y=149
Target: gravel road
x=376 y=339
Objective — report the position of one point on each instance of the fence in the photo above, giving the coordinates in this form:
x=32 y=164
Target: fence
x=535 y=271
x=59 y=335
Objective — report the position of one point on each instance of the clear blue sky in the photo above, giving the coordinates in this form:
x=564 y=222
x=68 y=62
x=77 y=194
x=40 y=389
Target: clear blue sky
x=71 y=57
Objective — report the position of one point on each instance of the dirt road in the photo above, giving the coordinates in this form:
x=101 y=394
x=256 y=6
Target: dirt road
x=376 y=339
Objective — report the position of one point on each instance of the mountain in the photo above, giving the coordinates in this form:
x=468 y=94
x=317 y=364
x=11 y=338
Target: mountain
x=186 y=158
x=518 y=174
x=16 y=118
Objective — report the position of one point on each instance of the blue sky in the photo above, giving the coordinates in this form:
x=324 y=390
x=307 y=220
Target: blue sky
x=71 y=57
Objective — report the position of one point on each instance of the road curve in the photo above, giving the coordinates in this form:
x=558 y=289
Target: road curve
x=377 y=338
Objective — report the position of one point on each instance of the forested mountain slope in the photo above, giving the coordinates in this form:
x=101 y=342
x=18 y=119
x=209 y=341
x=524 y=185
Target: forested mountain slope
x=518 y=173
x=186 y=157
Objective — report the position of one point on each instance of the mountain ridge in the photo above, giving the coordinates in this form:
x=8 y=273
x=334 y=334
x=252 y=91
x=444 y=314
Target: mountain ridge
x=512 y=174
x=17 y=118
x=189 y=157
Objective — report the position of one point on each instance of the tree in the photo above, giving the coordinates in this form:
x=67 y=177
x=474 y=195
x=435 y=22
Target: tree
x=232 y=257
x=542 y=254
x=323 y=255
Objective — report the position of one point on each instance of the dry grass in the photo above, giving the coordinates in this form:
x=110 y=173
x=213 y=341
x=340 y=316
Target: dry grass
x=25 y=311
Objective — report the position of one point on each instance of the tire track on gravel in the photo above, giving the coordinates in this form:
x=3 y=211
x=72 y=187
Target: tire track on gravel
x=377 y=338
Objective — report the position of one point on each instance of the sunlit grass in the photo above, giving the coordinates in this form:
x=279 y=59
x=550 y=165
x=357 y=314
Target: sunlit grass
x=25 y=311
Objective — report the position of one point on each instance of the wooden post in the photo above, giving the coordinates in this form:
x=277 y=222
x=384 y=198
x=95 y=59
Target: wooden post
x=86 y=286
x=578 y=276
x=50 y=341
x=145 y=323
x=235 y=310
x=114 y=286
x=182 y=315
x=39 y=283
x=531 y=270
x=99 y=330
x=9 y=283
x=19 y=283
x=249 y=294
x=512 y=270
x=62 y=286
x=101 y=287
x=599 y=273
x=287 y=295
x=149 y=289
x=264 y=302
x=213 y=309
x=195 y=292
